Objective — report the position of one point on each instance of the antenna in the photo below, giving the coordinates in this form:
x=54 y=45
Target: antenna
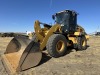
x=50 y=3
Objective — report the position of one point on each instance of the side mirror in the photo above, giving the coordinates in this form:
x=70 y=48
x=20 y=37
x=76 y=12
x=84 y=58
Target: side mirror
x=53 y=17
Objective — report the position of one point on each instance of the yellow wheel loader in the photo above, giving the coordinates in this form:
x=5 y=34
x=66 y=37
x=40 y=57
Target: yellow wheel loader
x=23 y=53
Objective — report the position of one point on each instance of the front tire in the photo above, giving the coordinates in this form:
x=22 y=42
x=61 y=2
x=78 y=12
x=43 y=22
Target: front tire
x=57 y=45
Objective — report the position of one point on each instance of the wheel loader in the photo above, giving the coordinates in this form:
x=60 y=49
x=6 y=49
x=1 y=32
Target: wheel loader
x=23 y=53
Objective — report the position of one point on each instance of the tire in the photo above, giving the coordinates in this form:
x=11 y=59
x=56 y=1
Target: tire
x=82 y=43
x=56 y=45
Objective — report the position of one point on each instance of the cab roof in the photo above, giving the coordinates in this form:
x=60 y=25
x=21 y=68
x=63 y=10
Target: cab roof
x=67 y=11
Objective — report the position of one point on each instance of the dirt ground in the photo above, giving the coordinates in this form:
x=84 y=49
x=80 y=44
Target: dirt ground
x=86 y=62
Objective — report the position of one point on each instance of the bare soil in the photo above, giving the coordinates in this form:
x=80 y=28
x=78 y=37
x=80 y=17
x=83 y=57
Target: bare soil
x=86 y=62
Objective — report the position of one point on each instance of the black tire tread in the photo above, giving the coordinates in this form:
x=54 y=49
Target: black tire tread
x=80 y=47
x=50 y=43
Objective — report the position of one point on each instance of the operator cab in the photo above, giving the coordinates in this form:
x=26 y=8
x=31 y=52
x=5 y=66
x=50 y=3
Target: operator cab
x=67 y=19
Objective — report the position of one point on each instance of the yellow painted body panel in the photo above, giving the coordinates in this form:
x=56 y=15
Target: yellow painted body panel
x=44 y=34
x=87 y=37
x=38 y=31
x=77 y=33
x=49 y=33
x=73 y=39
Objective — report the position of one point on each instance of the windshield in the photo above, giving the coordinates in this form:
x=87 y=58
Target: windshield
x=61 y=17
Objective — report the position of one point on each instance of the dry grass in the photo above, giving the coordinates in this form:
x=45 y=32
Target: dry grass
x=4 y=42
x=85 y=62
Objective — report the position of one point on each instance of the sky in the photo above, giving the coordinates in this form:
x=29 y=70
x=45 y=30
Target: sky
x=20 y=15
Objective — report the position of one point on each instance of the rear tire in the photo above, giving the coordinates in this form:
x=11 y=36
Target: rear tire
x=82 y=43
x=57 y=45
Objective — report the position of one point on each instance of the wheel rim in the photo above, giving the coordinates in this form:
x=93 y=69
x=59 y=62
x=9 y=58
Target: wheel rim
x=60 y=46
x=83 y=43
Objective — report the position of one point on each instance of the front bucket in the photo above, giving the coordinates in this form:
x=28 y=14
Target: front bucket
x=21 y=54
